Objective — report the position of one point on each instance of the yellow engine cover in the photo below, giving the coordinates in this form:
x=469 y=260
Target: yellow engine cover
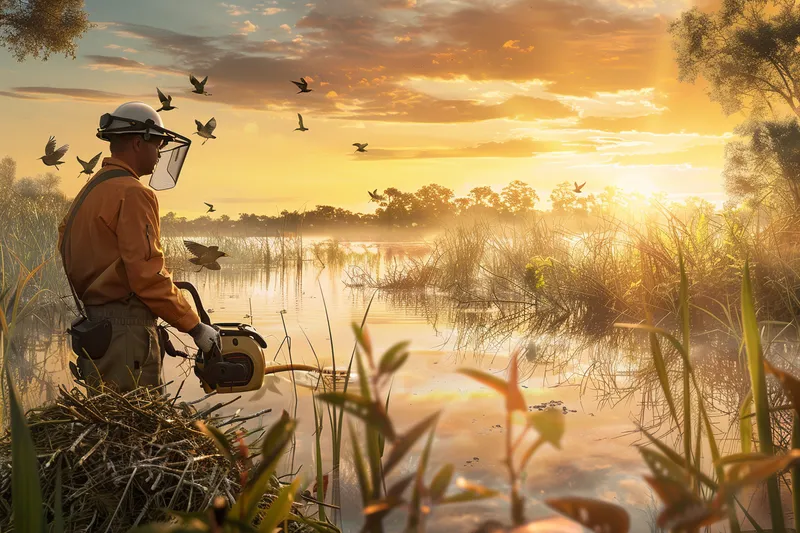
x=240 y=347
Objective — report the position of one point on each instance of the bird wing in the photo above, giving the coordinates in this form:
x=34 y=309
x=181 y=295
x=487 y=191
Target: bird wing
x=51 y=146
x=83 y=163
x=196 y=248
x=582 y=185
x=93 y=161
x=61 y=151
x=213 y=266
x=356 y=144
x=303 y=80
x=300 y=85
x=199 y=124
x=193 y=80
x=213 y=249
x=300 y=118
x=365 y=145
x=209 y=205
x=576 y=184
x=162 y=97
x=202 y=83
x=211 y=125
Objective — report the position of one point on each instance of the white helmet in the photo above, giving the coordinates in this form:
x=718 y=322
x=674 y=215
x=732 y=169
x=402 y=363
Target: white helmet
x=140 y=118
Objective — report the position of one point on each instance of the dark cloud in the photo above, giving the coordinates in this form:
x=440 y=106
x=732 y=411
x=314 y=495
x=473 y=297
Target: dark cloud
x=50 y=93
x=366 y=50
x=510 y=148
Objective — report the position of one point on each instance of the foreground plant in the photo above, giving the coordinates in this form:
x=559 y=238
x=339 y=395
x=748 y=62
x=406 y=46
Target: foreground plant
x=693 y=499
x=540 y=428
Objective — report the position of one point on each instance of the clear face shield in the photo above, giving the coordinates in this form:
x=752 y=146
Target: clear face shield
x=172 y=152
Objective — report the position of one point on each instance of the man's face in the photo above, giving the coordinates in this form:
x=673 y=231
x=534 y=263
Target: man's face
x=148 y=153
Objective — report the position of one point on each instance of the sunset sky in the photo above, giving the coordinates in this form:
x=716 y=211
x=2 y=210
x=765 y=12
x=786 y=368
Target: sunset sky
x=456 y=92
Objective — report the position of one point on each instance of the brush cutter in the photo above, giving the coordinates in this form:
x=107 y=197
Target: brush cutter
x=239 y=365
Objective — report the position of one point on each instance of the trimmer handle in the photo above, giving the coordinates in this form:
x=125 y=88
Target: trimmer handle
x=185 y=285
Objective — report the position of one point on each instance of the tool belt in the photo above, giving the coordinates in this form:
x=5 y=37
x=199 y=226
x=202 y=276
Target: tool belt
x=91 y=334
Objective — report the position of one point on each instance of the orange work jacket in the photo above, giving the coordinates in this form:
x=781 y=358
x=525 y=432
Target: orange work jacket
x=114 y=249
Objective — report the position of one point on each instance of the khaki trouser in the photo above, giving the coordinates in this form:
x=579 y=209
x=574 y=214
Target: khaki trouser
x=134 y=355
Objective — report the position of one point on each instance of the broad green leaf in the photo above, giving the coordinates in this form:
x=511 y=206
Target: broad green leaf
x=661 y=466
x=363 y=409
x=362 y=336
x=280 y=508
x=549 y=424
x=594 y=515
x=388 y=363
x=789 y=383
x=26 y=490
x=272 y=448
x=218 y=438
x=441 y=481
x=405 y=441
x=487 y=379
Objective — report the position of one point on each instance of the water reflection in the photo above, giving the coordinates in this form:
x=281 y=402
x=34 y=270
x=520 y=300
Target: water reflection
x=606 y=382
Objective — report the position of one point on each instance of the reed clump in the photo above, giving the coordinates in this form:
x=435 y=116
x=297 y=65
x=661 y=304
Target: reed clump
x=127 y=459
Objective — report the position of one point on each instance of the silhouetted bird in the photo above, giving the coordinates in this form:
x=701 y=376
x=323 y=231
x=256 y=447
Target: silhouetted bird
x=206 y=131
x=579 y=188
x=199 y=86
x=204 y=256
x=300 y=120
x=52 y=157
x=373 y=195
x=302 y=85
x=360 y=147
x=210 y=207
x=88 y=168
x=166 y=102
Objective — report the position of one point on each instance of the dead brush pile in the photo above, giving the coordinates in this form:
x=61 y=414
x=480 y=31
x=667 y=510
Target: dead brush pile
x=125 y=458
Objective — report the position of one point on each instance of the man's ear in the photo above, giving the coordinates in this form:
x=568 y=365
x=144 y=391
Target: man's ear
x=136 y=143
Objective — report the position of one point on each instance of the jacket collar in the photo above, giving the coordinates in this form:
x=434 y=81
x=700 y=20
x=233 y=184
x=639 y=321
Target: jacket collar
x=114 y=162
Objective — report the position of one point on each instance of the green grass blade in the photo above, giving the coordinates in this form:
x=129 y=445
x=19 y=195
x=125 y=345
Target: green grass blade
x=796 y=473
x=663 y=378
x=319 y=421
x=758 y=383
x=687 y=391
x=58 y=510
x=746 y=423
x=25 y=487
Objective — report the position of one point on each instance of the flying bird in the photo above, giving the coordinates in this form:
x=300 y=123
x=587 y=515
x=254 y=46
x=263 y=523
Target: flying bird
x=300 y=120
x=199 y=86
x=579 y=188
x=52 y=157
x=166 y=101
x=204 y=256
x=302 y=85
x=373 y=195
x=360 y=147
x=88 y=168
x=206 y=131
x=210 y=207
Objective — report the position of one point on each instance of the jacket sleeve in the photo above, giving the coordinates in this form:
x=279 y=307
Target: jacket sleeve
x=139 y=238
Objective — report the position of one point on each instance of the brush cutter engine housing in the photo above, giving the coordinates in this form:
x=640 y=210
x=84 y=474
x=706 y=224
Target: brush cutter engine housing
x=239 y=365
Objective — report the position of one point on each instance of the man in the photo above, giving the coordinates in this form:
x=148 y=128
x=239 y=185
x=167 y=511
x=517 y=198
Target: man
x=113 y=256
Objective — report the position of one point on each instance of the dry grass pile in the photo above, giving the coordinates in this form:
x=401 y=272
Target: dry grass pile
x=125 y=458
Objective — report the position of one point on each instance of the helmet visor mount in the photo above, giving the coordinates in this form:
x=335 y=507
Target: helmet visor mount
x=172 y=151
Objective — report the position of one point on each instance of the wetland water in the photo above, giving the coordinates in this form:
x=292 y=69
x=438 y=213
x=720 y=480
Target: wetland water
x=600 y=387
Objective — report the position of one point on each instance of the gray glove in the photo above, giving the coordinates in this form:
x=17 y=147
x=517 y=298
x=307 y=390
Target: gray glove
x=205 y=337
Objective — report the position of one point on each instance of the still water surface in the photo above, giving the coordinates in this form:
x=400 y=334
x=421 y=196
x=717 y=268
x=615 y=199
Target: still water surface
x=598 y=456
